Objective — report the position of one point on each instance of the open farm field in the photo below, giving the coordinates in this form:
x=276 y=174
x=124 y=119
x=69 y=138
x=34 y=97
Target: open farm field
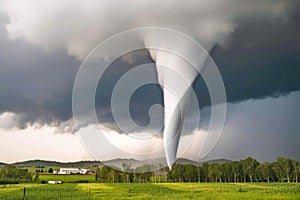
x=152 y=191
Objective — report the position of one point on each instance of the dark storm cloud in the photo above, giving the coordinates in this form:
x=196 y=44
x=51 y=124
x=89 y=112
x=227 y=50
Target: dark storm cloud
x=34 y=83
x=261 y=59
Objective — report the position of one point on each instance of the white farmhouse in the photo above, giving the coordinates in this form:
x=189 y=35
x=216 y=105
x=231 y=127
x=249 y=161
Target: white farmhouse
x=83 y=171
x=73 y=171
x=68 y=171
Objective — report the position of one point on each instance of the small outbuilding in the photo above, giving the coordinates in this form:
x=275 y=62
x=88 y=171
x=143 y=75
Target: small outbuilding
x=54 y=182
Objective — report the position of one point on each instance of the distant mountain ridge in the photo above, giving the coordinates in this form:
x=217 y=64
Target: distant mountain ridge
x=47 y=163
x=114 y=162
x=219 y=161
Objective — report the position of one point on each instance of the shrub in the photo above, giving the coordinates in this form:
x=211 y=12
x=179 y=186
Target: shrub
x=4 y=182
x=80 y=181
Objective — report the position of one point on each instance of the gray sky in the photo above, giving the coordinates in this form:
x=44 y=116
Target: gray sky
x=41 y=49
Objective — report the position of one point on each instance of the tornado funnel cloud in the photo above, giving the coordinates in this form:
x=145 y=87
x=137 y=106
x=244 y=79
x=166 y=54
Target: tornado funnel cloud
x=176 y=76
x=175 y=111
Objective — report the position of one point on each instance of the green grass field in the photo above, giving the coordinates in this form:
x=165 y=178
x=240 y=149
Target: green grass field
x=152 y=191
x=67 y=178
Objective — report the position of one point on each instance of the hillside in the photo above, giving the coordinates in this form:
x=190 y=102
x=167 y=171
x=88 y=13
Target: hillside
x=219 y=161
x=45 y=163
x=114 y=162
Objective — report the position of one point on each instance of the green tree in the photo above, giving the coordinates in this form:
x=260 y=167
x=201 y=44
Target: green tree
x=190 y=173
x=251 y=169
x=283 y=168
x=199 y=172
x=296 y=170
x=112 y=175
x=10 y=172
x=50 y=170
x=103 y=174
x=161 y=166
x=236 y=170
x=36 y=177
x=266 y=171
x=204 y=171
x=227 y=172
x=214 y=172
x=244 y=169
x=97 y=174
x=143 y=173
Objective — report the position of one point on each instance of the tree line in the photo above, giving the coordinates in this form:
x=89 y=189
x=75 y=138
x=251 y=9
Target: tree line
x=246 y=170
x=108 y=174
x=12 y=174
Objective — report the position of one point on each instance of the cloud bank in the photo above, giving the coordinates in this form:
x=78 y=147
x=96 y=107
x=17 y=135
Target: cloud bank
x=259 y=58
x=77 y=26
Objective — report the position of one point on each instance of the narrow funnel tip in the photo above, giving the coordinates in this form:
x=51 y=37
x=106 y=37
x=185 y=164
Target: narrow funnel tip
x=169 y=163
x=170 y=156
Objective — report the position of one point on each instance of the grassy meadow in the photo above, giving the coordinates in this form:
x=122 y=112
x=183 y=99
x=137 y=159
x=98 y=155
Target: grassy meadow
x=70 y=178
x=152 y=191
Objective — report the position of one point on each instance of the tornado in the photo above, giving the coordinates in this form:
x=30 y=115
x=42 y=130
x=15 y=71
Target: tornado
x=176 y=77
